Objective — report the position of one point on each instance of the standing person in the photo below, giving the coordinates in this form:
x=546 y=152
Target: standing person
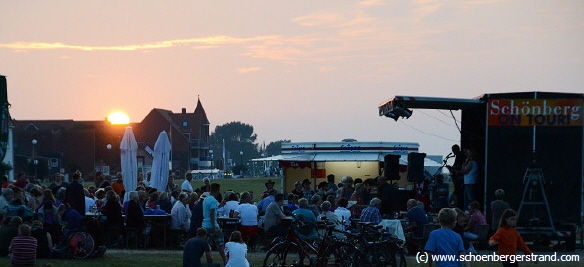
x=298 y=189
x=332 y=187
x=508 y=238
x=214 y=233
x=457 y=177
x=20 y=180
x=23 y=248
x=307 y=192
x=236 y=251
x=385 y=192
x=441 y=193
x=269 y=186
x=470 y=170
x=194 y=249
x=497 y=208
x=347 y=190
x=74 y=195
x=186 y=185
x=207 y=186
x=57 y=183
x=118 y=185
x=444 y=241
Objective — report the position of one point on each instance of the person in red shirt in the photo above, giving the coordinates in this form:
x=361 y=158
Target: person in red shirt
x=508 y=238
x=20 y=180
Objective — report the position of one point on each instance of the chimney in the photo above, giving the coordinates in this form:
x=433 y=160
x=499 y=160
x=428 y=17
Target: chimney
x=184 y=111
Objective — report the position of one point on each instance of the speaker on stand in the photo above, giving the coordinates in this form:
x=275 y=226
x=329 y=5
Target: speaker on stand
x=416 y=167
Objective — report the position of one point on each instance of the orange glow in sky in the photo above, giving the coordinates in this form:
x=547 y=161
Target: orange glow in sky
x=305 y=71
x=118 y=118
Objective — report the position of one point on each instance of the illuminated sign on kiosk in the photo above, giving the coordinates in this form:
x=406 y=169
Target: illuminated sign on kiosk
x=535 y=112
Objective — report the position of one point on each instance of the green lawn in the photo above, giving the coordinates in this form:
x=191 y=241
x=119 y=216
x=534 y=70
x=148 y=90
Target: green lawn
x=256 y=185
x=168 y=258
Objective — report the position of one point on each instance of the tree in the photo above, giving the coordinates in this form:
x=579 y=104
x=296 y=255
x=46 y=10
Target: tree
x=239 y=137
x=275 y=148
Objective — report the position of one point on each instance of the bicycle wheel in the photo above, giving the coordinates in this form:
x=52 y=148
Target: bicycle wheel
x=81 y=245
x=340 y=254
x=377 y=254
x=400 y=256
x=397 y=252
x=283 y=254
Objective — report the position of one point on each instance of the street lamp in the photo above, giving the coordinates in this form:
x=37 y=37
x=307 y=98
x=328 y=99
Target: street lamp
x=109 y=148
x=211 y=155
x=36 y=162
x=241 y=160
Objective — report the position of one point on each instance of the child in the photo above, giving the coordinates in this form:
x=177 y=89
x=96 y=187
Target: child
x=508 y=238
x=23 y=247
x=236 y=251
x=444 y=241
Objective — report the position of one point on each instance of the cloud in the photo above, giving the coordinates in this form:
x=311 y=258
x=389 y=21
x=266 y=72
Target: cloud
x=208 y=42
x=369 y=3
x=248 y=70
x=319 y=19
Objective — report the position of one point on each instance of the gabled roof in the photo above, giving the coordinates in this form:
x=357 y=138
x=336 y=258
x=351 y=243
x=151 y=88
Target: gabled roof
x=44 y=125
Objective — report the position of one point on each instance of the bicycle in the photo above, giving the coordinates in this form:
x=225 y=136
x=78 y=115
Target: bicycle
x=327 y=252
x=377 y=248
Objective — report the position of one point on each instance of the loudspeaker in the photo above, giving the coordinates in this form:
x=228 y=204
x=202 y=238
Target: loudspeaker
x=391 y=166
x=416 y=167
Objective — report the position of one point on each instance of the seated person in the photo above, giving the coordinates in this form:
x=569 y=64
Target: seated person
x=304 y=214
x=71 y=218
x=114 y=223
x=23 y=247
x=292 y=203
x=8 y=230
x=371 y=213
x=343 y=213
x=248 y=213
x=164 y=202
x=417 y=219
x=274 y=215
x=472 y=228
x=179 y=219
x=327 y=215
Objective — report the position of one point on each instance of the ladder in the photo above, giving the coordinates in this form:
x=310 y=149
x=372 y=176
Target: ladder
x=534 y=196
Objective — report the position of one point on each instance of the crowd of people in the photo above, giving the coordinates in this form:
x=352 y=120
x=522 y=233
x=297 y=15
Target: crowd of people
x=54 y=212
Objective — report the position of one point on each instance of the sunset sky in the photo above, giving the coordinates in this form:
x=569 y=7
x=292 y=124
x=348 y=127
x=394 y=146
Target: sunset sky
x=299 y=70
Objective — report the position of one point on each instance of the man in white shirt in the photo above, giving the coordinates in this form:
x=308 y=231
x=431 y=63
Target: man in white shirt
x=248 y=214
x=186 y=185
x=178 y=214
x=89 y=201
x=343 y=213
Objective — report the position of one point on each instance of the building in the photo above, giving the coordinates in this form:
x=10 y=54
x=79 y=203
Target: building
x=68 y=145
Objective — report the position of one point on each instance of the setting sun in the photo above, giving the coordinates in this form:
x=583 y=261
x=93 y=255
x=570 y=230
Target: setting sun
x=118 y=118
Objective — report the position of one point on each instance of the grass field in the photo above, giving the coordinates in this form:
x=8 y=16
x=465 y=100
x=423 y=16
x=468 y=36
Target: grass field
x=256 y=185
x=170 y=258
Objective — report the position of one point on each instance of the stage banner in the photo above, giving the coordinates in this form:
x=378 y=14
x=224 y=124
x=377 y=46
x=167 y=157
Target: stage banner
x=535 y=112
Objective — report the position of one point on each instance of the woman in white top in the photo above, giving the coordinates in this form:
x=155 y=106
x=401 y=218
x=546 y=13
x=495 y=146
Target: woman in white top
x=236 y=251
